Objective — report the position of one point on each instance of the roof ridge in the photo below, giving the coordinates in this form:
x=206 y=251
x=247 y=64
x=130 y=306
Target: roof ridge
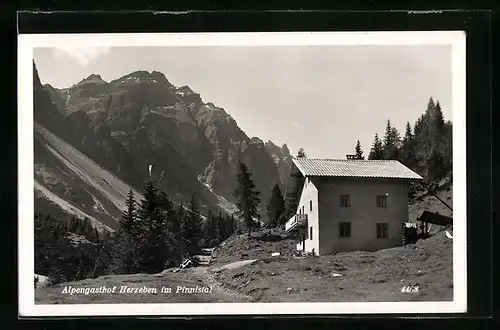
x=349 y=160
x=381 y=168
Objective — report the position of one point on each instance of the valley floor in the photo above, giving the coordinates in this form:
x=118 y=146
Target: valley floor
x=344 y=277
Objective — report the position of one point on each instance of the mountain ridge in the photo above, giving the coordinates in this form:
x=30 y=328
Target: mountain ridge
x=140 y=119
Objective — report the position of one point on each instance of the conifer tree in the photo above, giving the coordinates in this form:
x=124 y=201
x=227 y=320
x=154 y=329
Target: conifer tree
x=80 y=270
x=391 y=142
x=425 y=128
x=221 y=229
x=435 y=164
x=124 y=256
x=191 y=228
x=148 y=207
x=438 y=119
x=129 y=215
x=152 y=226
x=229 y=227
x=211 y=231
x=275 y=206
x=408 y=147
x=431 y=105
x=247 y=198
x=181 y=215
x=174 y=228
x=170 y=220
x=358 y=151
x=377 y=151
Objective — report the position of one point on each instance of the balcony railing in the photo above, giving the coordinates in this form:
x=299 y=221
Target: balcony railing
x=298 y=221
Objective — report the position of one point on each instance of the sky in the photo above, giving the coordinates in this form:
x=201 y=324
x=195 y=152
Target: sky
x=320 y=98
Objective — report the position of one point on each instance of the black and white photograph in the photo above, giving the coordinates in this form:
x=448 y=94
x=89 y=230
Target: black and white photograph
x=242 y=173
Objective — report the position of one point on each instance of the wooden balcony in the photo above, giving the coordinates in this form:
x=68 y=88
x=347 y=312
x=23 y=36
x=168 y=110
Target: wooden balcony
x=298 y=221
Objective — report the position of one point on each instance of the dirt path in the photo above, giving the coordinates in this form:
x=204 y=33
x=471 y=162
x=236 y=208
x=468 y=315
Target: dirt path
x=208 y=276
x=235 y=265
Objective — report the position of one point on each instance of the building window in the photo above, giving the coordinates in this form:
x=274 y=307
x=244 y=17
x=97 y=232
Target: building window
x=382 y=201
x=345 y=201
x=303 y=209
x=344 y=229
x=382 y=230
x=311 y=233
x=310 y=205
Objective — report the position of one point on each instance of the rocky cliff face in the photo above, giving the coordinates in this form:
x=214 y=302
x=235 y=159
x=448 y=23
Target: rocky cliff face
x=141 y=119
x=282 y=158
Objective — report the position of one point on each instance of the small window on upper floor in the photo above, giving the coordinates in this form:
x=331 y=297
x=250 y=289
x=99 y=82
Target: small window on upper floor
x=311 y=233
x=303 y=209
x=345 y=201
x=382 y=201
x=310 y=205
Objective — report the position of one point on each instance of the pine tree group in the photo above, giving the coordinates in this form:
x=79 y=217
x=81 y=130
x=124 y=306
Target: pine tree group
x=217 y=229
x=427 y=148
x=58 y=255
x=377 y=150
x=163 y=235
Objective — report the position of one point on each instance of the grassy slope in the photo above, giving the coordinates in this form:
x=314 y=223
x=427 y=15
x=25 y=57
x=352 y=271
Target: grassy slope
x=366 y=276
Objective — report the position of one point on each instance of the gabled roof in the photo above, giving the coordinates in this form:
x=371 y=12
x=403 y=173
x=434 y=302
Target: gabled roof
x=389 y=169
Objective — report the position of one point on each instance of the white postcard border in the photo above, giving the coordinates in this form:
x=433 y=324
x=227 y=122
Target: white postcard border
x=26 y=43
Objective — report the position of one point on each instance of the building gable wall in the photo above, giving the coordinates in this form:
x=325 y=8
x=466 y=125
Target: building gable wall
x=363 y=213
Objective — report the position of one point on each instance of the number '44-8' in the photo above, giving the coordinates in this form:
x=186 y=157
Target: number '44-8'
x=409 y=288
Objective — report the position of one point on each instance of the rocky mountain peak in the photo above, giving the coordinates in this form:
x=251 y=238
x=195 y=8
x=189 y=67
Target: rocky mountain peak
x=281 y=157
x=270 y=145
x=256 y=141
x=140 y=74
x=36 y=77
x=160 y=77
x=93 y=78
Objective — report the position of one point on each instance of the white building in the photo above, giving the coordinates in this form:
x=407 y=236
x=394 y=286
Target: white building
x=348 y=205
